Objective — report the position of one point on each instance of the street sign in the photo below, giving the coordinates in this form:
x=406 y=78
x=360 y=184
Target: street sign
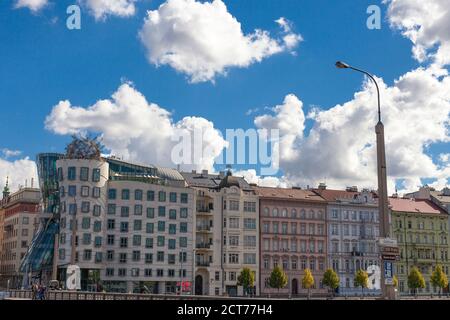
x=390 y=250
x=390 y=257
x=389 y=282
x=388 y=272
x=387 y=242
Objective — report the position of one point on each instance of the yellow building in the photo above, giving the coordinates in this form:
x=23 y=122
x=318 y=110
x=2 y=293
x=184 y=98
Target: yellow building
x=421 y=229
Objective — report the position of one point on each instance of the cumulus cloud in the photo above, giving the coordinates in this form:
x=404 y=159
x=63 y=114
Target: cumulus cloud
x=7 y=153
x=33 y=5
x=18 y=171
x=251 y=176
x=140 y=131
x=203 y=40
x=426 y=24
x=100 y=9
x=341 y=147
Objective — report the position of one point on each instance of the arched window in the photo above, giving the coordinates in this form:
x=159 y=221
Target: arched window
x=266 y=212
x=312 y=214
x=284 y=213
x=275 y=212
x=303 y=214
x=293 y=213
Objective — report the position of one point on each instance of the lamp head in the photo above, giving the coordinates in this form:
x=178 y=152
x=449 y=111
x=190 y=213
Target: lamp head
x=342 y=65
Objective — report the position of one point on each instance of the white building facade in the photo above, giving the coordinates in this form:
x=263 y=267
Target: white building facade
x=134 y=225
x=353 y=231
x=227 y=233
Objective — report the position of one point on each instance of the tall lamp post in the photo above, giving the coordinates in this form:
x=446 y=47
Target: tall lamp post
x=388 y=291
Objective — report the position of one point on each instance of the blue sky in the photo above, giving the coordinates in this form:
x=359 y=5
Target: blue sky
x=42 y=62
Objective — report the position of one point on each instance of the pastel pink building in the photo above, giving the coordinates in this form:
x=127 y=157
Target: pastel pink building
x=293 y=235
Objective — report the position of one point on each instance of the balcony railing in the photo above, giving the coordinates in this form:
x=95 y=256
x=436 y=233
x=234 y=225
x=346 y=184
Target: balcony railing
x=202 y=263
x=203 y=245
x=203 y=228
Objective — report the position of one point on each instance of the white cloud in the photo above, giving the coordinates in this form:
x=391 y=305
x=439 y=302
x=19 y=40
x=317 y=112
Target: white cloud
x=100 y=9
x=7 y=153
x=340 y=148
x=135 y=129
x=251 y=177
x=444 y=157
x=33 y=5
x=426 y=24
x=18 y=171
x=203 y=40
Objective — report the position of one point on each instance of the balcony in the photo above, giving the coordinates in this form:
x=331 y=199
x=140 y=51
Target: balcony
x=202 y=263
x=357 y=253
x=203 y=228
x=203 y=245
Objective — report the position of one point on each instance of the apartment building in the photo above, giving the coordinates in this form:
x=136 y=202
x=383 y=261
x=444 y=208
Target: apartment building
x=19 y=220
x=293 y=236
x=353 y=231
x=421 y=229
x=226 y=232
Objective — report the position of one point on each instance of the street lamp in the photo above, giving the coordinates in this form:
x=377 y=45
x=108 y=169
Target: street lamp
x=387 y=290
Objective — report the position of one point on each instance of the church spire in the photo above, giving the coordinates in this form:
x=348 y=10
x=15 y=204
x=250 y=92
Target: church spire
x=6 y=189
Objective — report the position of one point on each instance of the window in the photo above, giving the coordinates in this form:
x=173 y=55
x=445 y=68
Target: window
x=234 y=205
x=84 y=174
x=96 y=192
x=172 y=244
x=85 y=206
x=72 y=173
x=266 y=227
x=250 y=223
x=124 y=211
x=125 y=194
x=124 y=226
x=183 y=242
x=123 y=257
x=150 y=195
x=122 y=272
x=149 y=228
x=137 y=240
x=234 y=223
x=233 y=258
x=249 y=206
x=138 y=195
x=86 y=238
x=161 y=241
x=172 y=214
x=160 y=272
x=250 y=241
x=138 y=210
x=85 y=191
x=161 y=226
x=136 y=255
x=111 y=224
x=86 y=223
x=172 y=228
x=60 y=174
x=184 y=198
x=87 y=255
x=183 y=227
x=150 y=213
x=149 y=258
x=161 y=211
x=173 y=197
x=137 y=226
x=97 y=226
x=109 y=272
x=233 y=240
x=95 y=175
x=183 y=213
x=62 y=192
x=110 y=239
x=149 y=243
x=334 y=229
x=123 y=242
x=160 y=256
x=275 y=227
x=284 y=228
x=249 y=258
x=112 y=194
x=97 y=210
x=98 y=257
x=72 y=191
x=161 y=196
x=110 y=255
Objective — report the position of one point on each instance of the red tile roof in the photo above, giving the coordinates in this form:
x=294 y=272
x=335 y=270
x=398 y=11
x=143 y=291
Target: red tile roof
x=415 y=206
x=333 y=195
x=286 y=193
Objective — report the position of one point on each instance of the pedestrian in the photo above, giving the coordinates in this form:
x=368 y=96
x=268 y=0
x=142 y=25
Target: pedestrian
x=34 y=291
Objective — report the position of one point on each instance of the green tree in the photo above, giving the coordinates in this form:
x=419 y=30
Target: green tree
x=331 y=280
x=308 y=281
x=415 y=280
x=246 y=279
x=362 y=280
x=439 y=279
x=278 y=279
